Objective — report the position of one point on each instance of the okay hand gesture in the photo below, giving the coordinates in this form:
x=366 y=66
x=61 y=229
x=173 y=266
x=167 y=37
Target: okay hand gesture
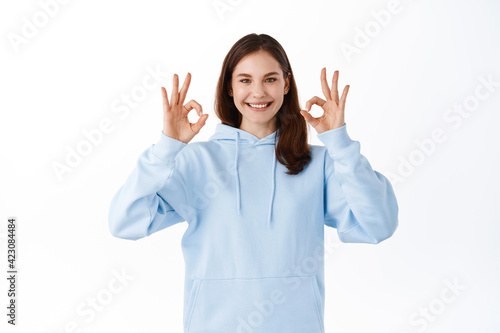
x=175 y=116
x=333 y=115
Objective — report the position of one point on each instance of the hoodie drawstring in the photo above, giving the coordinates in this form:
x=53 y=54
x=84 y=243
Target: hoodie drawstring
x=238 y=201
x=273 y=180
x=272 y=191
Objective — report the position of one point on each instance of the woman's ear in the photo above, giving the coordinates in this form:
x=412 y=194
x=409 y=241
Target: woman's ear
x=287 y=83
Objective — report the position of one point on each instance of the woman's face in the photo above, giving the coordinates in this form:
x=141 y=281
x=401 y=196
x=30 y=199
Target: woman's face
x=258 y=80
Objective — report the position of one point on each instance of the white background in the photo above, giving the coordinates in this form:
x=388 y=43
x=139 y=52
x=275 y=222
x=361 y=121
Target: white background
x=68 y=75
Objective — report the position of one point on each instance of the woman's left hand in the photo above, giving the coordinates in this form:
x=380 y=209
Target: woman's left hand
x=333 y=115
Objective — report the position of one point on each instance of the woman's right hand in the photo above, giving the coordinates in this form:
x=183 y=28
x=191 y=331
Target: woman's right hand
x=175 y=116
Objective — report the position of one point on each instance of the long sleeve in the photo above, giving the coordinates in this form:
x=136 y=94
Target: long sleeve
x=358 y=201
x=145 y=202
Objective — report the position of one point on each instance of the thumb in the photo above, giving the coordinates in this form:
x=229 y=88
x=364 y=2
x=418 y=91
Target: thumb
x=307 y=116
x=200 y=123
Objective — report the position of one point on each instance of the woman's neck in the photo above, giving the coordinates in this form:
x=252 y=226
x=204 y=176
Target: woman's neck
x=260 y=131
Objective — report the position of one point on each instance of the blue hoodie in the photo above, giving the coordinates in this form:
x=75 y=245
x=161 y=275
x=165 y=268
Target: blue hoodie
x=254 y=243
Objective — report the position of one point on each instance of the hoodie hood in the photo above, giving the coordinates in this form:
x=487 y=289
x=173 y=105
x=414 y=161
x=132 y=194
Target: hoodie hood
x=241 y=137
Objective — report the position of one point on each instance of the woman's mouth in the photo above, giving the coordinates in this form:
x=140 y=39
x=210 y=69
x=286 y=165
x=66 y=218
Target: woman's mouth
x=259 y=106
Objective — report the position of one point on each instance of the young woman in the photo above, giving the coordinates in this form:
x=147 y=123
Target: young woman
x=256 y=196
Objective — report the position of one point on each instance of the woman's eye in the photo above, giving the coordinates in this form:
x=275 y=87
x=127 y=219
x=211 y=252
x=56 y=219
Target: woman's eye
x=271 y=78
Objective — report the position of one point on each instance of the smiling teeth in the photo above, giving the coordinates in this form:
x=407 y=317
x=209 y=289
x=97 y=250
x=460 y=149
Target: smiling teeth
x=259 y=106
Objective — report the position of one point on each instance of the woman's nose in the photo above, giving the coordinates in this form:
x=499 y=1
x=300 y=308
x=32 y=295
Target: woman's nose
x=258 y=90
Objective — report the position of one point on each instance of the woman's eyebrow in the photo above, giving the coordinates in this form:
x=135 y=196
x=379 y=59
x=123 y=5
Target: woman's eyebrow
x=268 y=74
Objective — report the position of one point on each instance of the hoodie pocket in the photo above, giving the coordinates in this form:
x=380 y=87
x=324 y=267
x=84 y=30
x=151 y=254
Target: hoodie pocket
x=288 y=304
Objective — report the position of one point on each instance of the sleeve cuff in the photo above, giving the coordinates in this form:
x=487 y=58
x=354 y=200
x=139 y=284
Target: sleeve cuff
x=167 y=148
x=336 y=140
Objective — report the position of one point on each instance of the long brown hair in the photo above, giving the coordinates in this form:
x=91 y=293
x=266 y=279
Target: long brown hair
x=292 y=150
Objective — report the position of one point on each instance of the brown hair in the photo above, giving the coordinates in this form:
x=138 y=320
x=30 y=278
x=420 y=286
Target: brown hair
x=292 y=150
